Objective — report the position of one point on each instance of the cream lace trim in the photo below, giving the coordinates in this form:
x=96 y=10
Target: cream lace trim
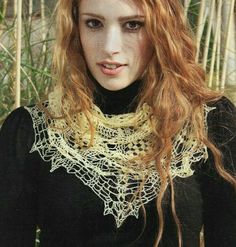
x=103 y=167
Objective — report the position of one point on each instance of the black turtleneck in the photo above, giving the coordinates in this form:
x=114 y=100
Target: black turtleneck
x=70 y=214
x=119 y=101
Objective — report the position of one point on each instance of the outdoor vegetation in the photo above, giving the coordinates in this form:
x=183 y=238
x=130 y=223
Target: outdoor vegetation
x=27 y=35
x=24 y=66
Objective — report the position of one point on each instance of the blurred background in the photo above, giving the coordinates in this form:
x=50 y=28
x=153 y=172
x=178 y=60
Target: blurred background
x=27 y=35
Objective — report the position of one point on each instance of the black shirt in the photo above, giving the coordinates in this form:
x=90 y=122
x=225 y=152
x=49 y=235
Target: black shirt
x=70 y=214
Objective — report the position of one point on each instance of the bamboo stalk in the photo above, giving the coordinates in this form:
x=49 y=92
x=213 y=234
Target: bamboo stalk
x=15 y=8
x=218 y=53
x=15 y=16
x=226 y=51
x=186 y=6
x=4 y=10
x=213 y=57
x=208 y=35
x=200 y=26
x=30 y=11
x=43 y=23
x=18 y=54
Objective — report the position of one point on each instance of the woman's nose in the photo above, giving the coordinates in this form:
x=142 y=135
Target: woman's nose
x=113 y=42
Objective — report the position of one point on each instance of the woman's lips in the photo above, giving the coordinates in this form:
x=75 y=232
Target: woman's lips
x=109 y=71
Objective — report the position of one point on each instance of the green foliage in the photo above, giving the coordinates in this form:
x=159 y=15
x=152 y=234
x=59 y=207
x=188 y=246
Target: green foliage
x=193 y=13
x=35 y=65
x=1 y=12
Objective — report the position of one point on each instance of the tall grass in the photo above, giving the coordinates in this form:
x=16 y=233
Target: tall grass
x=214 y=22
x=35 y=77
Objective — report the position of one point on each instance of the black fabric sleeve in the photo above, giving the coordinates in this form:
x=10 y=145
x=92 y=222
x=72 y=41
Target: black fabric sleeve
x=219 y=197
x=17 y=182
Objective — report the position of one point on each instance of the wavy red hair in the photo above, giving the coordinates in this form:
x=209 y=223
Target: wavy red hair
x=173 y=83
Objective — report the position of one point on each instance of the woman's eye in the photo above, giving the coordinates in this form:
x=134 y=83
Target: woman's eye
x=93 y=23
x=133 y=25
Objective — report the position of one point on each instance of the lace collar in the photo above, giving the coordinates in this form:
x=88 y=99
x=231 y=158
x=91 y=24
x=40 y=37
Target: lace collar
x=103 y=167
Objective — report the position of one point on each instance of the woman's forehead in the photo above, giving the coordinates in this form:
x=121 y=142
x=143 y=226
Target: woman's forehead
x=110 y=8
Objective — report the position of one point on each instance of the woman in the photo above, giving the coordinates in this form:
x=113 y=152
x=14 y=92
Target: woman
x=131 y=148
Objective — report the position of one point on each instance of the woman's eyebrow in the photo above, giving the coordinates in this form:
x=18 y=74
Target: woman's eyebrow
x=121 y=18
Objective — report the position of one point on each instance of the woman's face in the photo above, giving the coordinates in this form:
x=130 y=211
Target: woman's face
x=114 y=41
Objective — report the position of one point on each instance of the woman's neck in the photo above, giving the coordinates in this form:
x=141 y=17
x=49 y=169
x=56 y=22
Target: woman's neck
x=119 y=101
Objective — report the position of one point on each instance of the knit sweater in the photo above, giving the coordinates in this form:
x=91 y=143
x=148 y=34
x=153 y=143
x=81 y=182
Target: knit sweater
x=70 y=214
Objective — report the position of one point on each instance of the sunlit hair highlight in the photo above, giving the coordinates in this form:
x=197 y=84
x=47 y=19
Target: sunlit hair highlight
x=174 y=85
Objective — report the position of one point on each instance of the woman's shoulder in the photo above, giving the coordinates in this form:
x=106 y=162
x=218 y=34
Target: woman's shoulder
x=18 y=118
x=222 y=106
x=222 y=120
x=21 y=122
x=25 y=115
x=16 y=135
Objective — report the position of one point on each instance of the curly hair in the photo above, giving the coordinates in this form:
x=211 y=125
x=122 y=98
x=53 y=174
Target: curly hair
x=173 y=84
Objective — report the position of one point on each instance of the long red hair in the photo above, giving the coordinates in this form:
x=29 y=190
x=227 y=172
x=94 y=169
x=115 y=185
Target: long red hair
x=174 y=84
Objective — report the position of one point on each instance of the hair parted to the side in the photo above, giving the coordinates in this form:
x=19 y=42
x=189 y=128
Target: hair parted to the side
x=174 y=84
